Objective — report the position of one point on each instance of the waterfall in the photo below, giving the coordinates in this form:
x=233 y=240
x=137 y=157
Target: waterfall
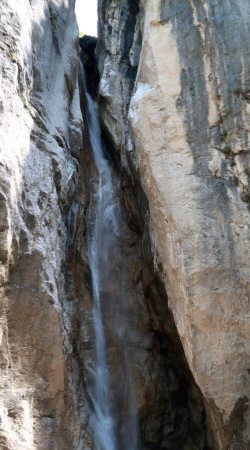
x=109 y=393
x=98 y=253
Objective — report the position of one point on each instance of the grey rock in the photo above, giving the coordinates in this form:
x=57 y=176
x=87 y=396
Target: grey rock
x=40 y=143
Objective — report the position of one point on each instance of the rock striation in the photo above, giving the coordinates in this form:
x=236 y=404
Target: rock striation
x=174 y=106
x=159 y=405
x=174 y=103
x=40 y=142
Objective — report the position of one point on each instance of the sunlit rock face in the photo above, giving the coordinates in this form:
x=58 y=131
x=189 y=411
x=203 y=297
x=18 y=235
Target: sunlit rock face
x=168 y=404
x=179 y=110
x=40 y=141
x=152 y=398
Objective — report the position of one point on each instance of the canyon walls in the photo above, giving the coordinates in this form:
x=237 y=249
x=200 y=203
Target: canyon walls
x=174 y=109
x=174 y=99
x=40 y=141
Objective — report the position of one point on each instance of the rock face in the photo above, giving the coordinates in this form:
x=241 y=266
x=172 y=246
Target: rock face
x=174 y=102
x=40 y=141
x=159 y=405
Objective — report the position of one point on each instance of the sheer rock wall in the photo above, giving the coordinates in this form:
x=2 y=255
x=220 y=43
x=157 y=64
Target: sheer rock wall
x=40 y=142
x=174 y=98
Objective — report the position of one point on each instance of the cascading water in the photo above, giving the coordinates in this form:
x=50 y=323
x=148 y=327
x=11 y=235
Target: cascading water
x=105 y=260
x=98 y=253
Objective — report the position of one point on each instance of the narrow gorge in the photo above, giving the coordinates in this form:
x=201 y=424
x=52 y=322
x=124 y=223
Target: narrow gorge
x=124 y=226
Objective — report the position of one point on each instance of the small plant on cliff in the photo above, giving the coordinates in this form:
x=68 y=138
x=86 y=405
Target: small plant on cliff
x=227 y=150
x=245 y=195
x=236 y=180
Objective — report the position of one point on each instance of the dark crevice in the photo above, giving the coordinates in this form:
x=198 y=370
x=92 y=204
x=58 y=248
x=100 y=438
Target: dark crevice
x=172 y=413
x=88 y=57
x=174 y=416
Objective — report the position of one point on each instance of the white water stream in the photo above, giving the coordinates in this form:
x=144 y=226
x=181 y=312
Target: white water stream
x=113 y=424
x=100 y=241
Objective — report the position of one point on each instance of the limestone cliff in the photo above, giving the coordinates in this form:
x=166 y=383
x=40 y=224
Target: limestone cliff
x=174 y=102
x=40 y=142
x=174 y=98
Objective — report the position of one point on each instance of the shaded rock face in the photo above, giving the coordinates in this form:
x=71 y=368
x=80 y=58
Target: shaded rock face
x=118 y=58
x=171 y=411
x=40 y=141
x=88 y=48
x=174 y=103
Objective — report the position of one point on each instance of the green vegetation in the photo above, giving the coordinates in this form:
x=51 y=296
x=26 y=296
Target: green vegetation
x=81 y=34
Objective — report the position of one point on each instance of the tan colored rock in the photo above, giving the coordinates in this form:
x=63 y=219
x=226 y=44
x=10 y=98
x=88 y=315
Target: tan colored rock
x=200 y=226
x=189 y=121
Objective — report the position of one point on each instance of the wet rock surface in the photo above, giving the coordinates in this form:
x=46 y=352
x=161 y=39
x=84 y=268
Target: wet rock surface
x=88 y=56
